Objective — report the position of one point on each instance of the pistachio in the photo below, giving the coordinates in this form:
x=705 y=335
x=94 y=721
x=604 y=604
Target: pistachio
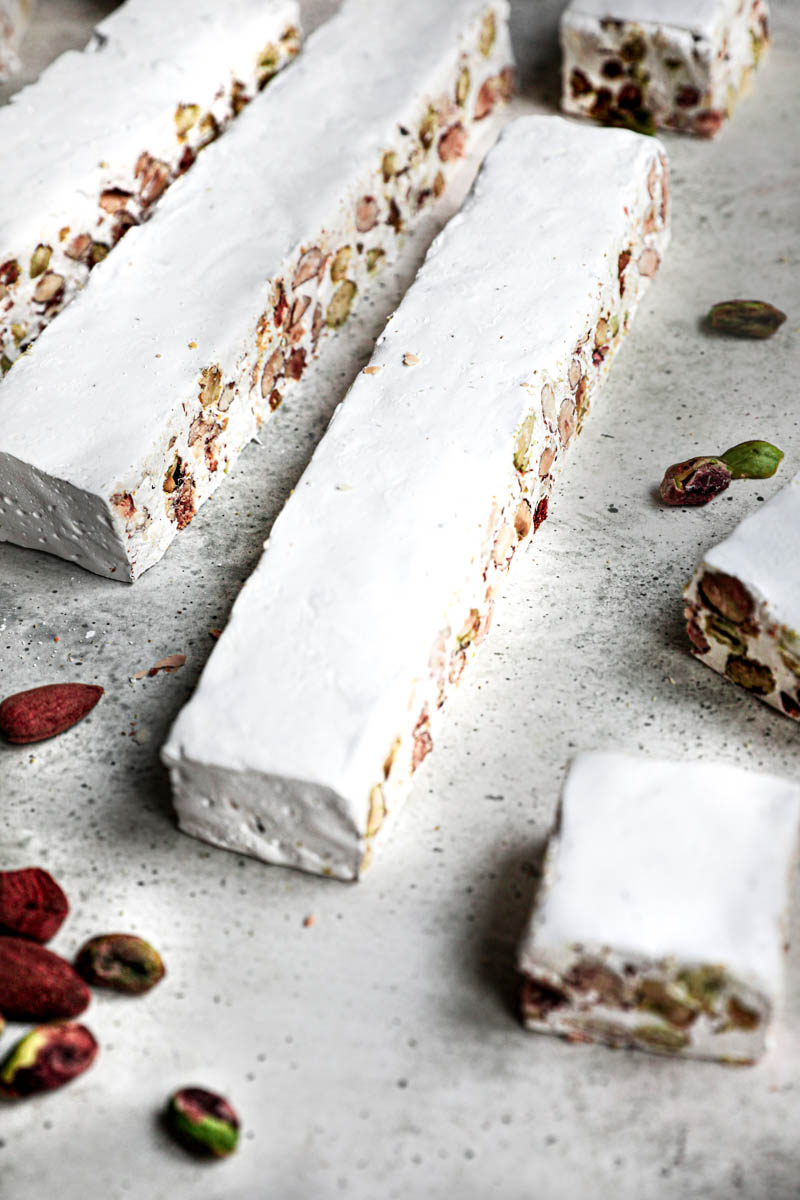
x=267 y=63
x=366 y=214
x=727 y=595
x=239 y=97
x=523 y=442
x=80 y=248
x=634 y=48
x=377 y=810
x=428 y=127
x=463 y=84
x=566 y=421
x=389 y=165
x=341 y=261
x=121 y=962
x=648 y=262
x=661 y=1037
x=704 y=984
x=523 y=519
x=539 y=999
x=9 y=272
x=574 y=373
x=40 y=260
x=375 y=257
x=488 y=34
x=18 y=332
x=341 y=302
x=112 y=200
x=439 y=184
x=741 y=1016
x=186 y=116
x=695 y=481
x=593 y=976
x=667 y=1002
x=484 y=101
x=49 y=289
x=203 y=1122
x=98 y=252
x=309 y=265
x=750 y=674
x=272 y=370
x=174 y=476
x=453 y=143
x=746 y=318
x=752 y=460
x=394 y=218
x=469 y=628
x=546 y=461
x=210 y=385
x=725 y=632
x=46 y=1059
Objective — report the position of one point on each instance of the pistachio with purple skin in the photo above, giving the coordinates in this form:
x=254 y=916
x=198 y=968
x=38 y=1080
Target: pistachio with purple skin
x=121 y=962
x=203 y=1122
x=746 y=318
x=46 y=1059
x=695 y=481
x=752 y=460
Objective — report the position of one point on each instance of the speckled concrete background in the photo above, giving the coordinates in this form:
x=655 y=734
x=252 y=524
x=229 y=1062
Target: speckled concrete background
x=377 y=1052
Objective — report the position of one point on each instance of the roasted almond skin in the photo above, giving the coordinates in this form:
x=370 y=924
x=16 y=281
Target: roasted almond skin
x=37 y=985
x=42 y=712
x=32 y=905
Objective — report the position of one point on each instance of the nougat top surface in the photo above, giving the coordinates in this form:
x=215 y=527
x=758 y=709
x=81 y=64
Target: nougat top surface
x=659 y=859
x=186 y=283
x=700 y=16
x=56 y=131
x=760 y=553
x=372 y=547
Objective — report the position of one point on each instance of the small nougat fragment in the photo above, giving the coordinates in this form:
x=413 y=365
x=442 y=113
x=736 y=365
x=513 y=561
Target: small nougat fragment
x=742 y=605
x=646 y=64
x=659 y=924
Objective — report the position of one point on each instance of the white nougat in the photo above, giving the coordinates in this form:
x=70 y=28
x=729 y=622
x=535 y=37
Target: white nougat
x=132 y=407
x=326 y=691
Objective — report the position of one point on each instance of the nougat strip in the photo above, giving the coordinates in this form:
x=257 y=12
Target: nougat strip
x=645 y=65
x=742 y=605
x=91 y=147
x=135 y=404
x=325 y=694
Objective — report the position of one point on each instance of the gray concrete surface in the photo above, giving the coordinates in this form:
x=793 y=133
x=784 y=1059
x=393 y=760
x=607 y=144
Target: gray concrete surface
x=376 y=1053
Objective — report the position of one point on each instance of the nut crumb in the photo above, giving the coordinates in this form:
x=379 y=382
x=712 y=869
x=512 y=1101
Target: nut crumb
x=410 y=360
x=309 y=921
x=371 y=370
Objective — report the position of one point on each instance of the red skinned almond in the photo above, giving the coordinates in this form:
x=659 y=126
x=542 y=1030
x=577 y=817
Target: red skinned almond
x=37 y=985
x=43 y=712
x=32 y=905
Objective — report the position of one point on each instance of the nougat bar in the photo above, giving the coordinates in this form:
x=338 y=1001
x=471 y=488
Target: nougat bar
x=742 y=605
x=325 y=694
x=89 y=149
x=135 y=403
x=659 y=923
x=672 y=64
x=14 y=18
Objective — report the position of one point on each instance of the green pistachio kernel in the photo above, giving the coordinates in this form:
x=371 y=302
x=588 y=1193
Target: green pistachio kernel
x=341 y=302
x=203 y=1122
x=751 y=675
x=375 y=257
x=40 y=260
x=660 y=1037
x=752 y=460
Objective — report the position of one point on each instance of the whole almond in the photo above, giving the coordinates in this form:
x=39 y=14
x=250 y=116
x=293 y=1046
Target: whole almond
x=32 y=904
x=43 y=712
x=37 y=985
